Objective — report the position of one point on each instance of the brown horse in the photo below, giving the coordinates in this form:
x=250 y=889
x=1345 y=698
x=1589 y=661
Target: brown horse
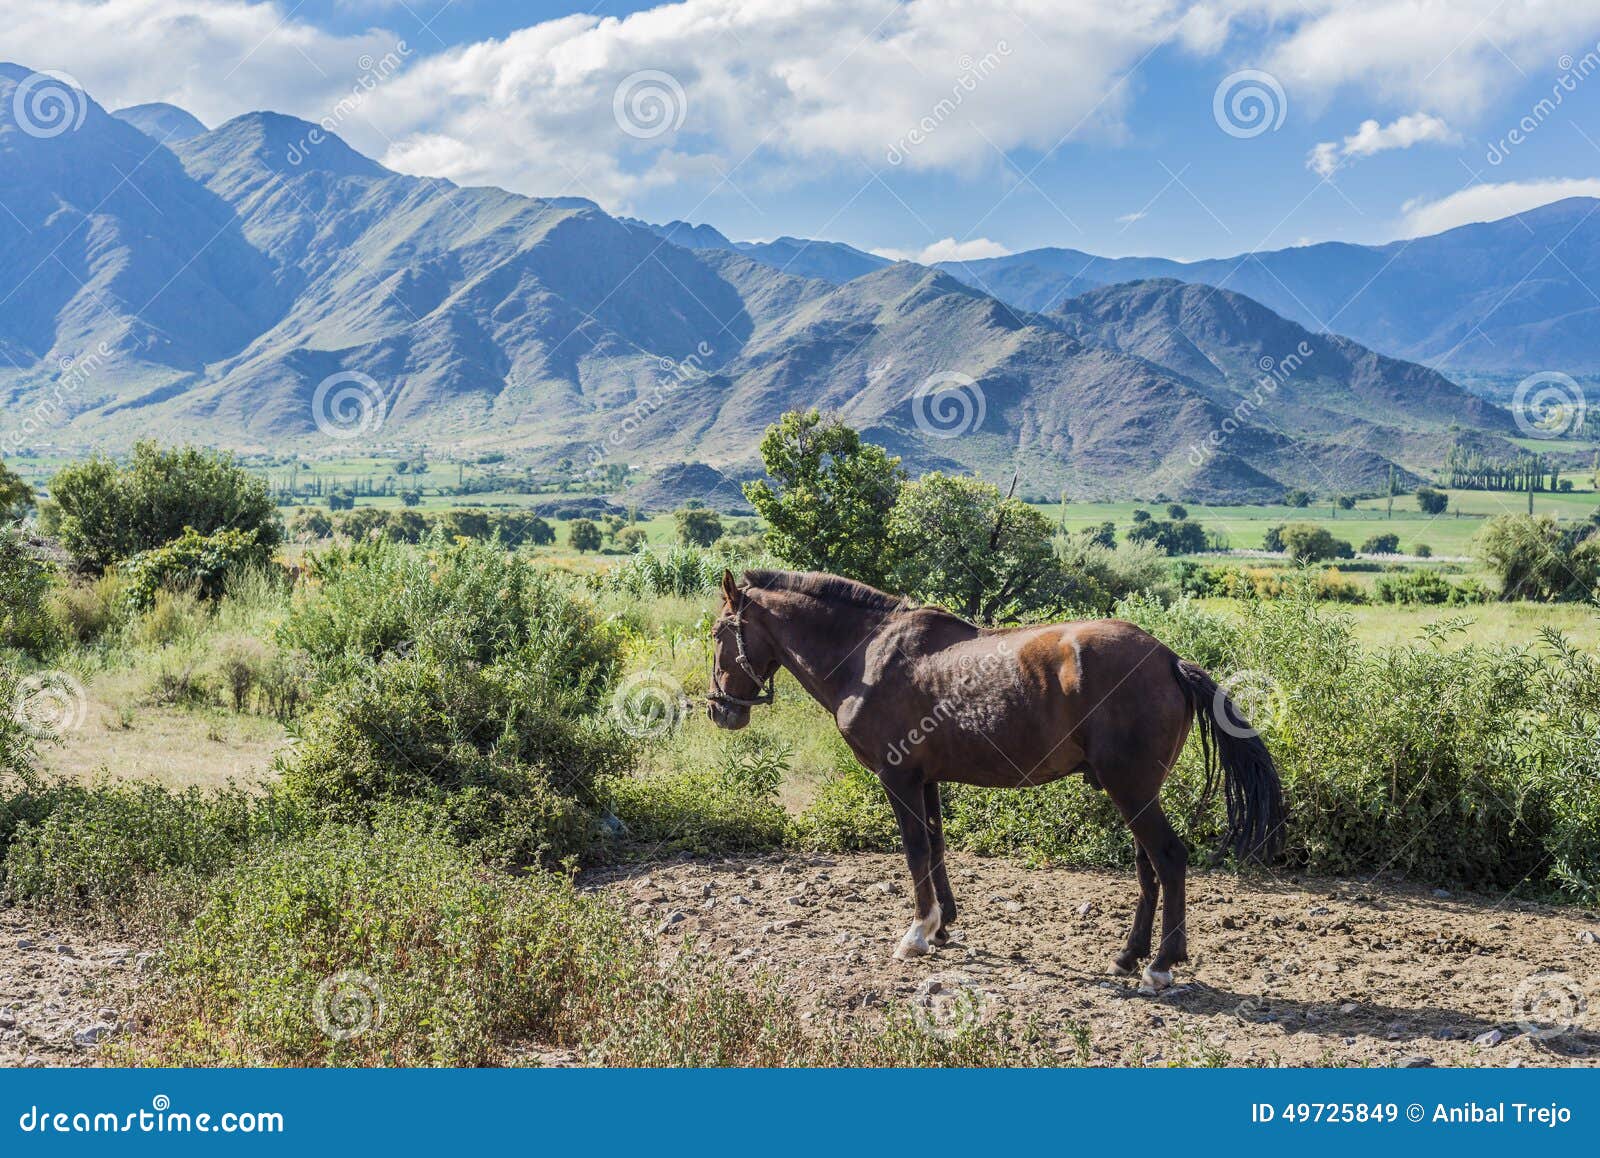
x=922 y=696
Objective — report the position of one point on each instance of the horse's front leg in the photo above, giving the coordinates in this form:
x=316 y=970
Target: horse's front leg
x=908 y=798
x=941 y=876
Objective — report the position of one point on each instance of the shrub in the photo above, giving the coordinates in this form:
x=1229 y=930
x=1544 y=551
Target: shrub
x=27 y=580
x=102 y=849
x=86 y=610
x=1427 y=587
x=698 y=811
x=1384 y=544
x=697 y=526
x=1535 y=557
x=203 y=564
x=108 y=513
x=583 y=535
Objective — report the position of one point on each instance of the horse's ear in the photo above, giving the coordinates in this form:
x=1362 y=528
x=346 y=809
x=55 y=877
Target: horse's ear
x=730 y=589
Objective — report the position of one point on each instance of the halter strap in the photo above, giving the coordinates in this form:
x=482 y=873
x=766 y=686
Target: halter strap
x=763 y=696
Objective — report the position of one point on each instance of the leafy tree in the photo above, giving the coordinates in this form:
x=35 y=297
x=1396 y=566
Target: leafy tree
x=1102 y=535
x=411 y=498
x=1535 y=557
x=1346 y=502
x=110 y=512
x=1183 y=537
x=958 y=542
x=1385 y=544
x=1273 y=540
x=1297 y=498
x=828 y=500
x=1432 y=502
x=697 y=526
x=310 y=523
x=1313 y=544
x=1422 y=551
x=1140 y=516
x=341 y=501
x=520 y=528
x=1177 y=512
x=583 y=535
x=15 y=495
x=630 y=539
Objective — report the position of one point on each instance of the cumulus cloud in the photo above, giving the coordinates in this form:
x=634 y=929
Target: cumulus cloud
x=1490 y=203
x=1329 y=156
x=753 y=91
x=947 y=249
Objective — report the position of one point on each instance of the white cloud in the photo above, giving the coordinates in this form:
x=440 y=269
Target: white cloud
x=947 y=249
x=1490 y=203
x=1130 y=218
x=777 y=90
x=1415 y=129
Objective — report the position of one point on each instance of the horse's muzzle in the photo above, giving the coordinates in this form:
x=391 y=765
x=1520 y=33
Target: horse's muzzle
x=729 y=716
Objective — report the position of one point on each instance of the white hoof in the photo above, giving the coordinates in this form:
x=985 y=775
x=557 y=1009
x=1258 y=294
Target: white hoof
x=1154 y=982
x=915 y=942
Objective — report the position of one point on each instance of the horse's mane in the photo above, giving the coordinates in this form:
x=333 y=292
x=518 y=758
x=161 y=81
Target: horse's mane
x=829 y=588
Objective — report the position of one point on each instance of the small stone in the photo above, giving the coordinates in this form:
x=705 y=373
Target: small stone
x=672 y=919
x=66 y=951
x=1416 y=1062
x=707 y=889
x=1013 y=906
x=1442 y=894
x=1086 y=909
x=1318 y=911
x=1588 y=937
x=889 y=888
x=93 y=1035
x=1489 y=1038
x=1229 y=923
x=1349 y=1007
x=783 y=926
x=739 y=899
x=797 y=899
x=107 y=1014
x=24 y=943
x=7 y=1021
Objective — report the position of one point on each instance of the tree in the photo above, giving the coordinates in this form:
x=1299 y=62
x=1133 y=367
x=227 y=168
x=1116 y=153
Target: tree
x=957 y=542
x=1177 y=512
x=697 y=526
x=1313 y=544
x=411 y=498
x=1140 y=516
x=1297 y=498
x=583 y=535
x=308 y=524
x=16 y=496
x=1181 y=537
x=1385 y=544
x=631 y=539
x=827 y=498
x=1535 y=557
x=341 y=501
x=1102 y=534
x=1432 y=502
x=109 y=513
x=1346 y=502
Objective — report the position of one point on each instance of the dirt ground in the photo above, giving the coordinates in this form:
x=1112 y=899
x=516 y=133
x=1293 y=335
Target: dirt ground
x=62 y=991
x=1299 y=972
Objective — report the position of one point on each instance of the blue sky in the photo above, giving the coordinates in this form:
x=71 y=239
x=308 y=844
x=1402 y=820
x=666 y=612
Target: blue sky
x=1078 y=124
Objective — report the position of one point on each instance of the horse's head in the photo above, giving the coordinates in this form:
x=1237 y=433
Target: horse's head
x=743 y=661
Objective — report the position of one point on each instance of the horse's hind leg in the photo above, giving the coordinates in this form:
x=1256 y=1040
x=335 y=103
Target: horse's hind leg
x=1144 y=914
x=941 y=877
x=1170 y=858
x=908 y=799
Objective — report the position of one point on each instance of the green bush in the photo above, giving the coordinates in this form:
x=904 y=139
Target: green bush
x=203 y=564
x=1427 y=587
x=703 y=812
x=1536 y=557
x=103 y=848
x=27 y=581
x=105 y=513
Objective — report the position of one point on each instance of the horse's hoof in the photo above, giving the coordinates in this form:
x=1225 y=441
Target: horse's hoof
x=910 y=948
x=1118 y=969
x=1154 y=981
x=945 y=937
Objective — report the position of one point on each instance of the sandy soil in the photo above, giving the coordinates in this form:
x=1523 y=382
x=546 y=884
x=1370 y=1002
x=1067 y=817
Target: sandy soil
x=62 y=991
x=1299 y=972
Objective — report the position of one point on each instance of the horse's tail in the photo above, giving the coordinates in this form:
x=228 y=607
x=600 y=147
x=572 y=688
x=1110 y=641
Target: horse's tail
x=1250 y=781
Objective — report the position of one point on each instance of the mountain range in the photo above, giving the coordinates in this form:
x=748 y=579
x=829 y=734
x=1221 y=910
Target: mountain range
x=159 y=278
